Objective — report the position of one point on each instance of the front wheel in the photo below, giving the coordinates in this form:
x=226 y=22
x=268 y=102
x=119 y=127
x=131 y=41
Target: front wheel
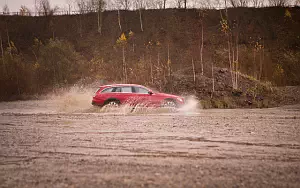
x=168 y=103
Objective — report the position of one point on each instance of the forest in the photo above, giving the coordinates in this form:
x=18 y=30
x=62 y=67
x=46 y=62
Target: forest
x=179 y=49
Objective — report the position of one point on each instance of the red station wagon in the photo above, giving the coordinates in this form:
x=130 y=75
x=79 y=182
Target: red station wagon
x=132 y=94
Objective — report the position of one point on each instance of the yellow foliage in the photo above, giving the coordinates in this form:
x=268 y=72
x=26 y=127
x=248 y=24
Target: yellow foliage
x=122 y=39
x=287 y=14
x=258 y=46
x=278 y=73
x=131 y=33
x=225 y=27
x=36 y=65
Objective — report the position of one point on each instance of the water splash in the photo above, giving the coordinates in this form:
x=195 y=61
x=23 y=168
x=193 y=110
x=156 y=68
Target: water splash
x=191 y=106
x=75 y=99
x=78 y=100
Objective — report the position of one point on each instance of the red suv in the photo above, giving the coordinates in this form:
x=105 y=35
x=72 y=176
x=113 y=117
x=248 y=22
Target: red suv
x=132 y=94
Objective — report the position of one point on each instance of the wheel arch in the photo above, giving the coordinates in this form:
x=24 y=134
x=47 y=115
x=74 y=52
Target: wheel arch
x=111 y=99
x=171 y=99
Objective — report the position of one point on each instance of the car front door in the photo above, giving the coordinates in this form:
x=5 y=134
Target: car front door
x=142 y=96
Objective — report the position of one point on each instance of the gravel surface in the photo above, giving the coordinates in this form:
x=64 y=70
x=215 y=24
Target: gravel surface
x=41 y=146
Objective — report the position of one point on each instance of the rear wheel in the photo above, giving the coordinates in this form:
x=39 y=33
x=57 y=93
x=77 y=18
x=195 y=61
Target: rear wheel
x=112 y=104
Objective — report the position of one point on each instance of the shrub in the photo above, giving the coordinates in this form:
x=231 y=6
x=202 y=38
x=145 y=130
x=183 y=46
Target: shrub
x=58 y=63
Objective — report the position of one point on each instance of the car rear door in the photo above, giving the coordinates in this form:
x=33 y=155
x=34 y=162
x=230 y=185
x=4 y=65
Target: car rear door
x=123 y=94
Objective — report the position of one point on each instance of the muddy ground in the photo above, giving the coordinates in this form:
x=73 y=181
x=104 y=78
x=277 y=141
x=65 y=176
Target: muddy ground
x=41 y=146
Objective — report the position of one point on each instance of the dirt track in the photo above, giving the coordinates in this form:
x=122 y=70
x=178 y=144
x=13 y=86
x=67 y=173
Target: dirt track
x=211 y=148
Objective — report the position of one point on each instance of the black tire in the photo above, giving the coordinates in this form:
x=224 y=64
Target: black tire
x=114 y=103
x=169 y=103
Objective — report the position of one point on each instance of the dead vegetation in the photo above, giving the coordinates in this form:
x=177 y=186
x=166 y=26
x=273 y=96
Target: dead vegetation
x=222 y=51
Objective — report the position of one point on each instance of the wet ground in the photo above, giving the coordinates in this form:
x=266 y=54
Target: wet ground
x=44 y=146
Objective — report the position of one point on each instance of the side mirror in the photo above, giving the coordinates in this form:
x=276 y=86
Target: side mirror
x=150 y=92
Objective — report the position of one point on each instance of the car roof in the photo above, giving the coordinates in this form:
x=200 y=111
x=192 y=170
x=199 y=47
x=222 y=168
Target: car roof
x=120 y=85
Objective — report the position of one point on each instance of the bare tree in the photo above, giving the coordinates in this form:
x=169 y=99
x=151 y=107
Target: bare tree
x=123 y=4
x=140 y=4
x=154 y=4
x=119 y=20
x=165 y=3
x=2 y=55
x=5 y=10
x=24 y=11
x=122 y=42
x=297 y=3
x=179 y=3
x=233 y=48
x=99 y=6
x=279 y=3
x=257 y=3
x=239 y=3
x=213 y=79
x=69 y=2
x=169 y=61
x=201 y=45
x=194 y=72
x=44 y=8
x=81 y=6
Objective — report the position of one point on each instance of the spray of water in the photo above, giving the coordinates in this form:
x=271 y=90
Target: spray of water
x=78 y=100
x=191 y=106
x=75 y=99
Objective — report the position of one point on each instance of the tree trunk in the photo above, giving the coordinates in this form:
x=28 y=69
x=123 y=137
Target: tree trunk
x=262 y=58
x=233 y=66
x=213 y=79
x=158 y=60
x=100 y=18
x=8 y=41
x=229 y=57
x=237 y=62
x=2 y=55
x=169 y=61
x=260 y=65
x=194 y=73
x=151 y=70
x=254 y=64
x=201 y=49
x=124 y=65
x=119 y=20
x=80 y=25
x=141 y=21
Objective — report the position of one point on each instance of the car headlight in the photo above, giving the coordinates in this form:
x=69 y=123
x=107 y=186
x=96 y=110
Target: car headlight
x=180 y=99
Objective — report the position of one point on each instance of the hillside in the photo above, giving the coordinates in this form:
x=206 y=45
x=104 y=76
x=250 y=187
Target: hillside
x=56 y=51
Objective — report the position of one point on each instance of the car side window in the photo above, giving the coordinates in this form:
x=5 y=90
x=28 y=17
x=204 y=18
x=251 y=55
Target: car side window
x=141 y=90
x=126 y=89
x=107 y=90
x=116 y=89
